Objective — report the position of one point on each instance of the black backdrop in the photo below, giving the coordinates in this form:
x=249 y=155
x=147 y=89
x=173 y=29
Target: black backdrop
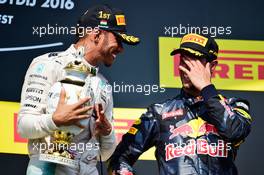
x=137 y=65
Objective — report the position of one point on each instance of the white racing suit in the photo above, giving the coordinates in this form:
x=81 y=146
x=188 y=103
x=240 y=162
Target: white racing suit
x=35 y=124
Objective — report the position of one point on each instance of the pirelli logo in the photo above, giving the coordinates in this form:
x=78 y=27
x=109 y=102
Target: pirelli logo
x=194 y=38
x=240 y=65
x=120 y=20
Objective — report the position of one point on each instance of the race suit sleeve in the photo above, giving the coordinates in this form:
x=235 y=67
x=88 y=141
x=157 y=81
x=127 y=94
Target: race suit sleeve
x=230 y=116
x=141 y=136
x=108 y=143
x=32 y=121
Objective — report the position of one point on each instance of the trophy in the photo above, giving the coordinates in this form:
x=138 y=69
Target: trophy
x=77 y=84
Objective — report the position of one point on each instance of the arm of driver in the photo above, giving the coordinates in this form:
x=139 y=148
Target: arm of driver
x=33 y=122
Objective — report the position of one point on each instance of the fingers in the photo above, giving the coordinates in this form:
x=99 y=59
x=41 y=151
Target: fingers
x=81 y=117
x=62 y=95
x=99 y=112
x=83 y=110
x=193 y=63
x=100 y=125
x=199 y=64
x=81 y=102
x=100 y=107
x=103 y=127
x=207 y=66
x=77 y=118
x=184 y=70
x=74 y=120
x=189 y=62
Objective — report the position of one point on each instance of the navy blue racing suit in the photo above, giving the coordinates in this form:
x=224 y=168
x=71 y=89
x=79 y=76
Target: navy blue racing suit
x=192 y=136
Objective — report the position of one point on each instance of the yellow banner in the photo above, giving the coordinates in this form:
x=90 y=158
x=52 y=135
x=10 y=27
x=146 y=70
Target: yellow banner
x=240 y=64
x=12 y=143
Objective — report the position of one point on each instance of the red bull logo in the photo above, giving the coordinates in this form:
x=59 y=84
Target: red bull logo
x=199 y=146
x=207 y=128
x=193 y=128
x=183 y=130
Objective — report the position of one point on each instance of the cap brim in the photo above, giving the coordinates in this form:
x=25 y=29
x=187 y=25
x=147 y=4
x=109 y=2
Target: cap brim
x=176 y=51
x=128 y=39
x=188 y=50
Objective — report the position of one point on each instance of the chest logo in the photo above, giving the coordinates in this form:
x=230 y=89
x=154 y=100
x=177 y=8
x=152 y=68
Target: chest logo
x=176 y=113
x=193 y=128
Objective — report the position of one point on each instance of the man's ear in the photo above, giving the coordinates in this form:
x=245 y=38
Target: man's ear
x=213 y=65
x=97 y=36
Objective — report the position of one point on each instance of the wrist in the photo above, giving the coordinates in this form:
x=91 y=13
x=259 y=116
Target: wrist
x=208 y=92
x=203 y=86
x=56 y=121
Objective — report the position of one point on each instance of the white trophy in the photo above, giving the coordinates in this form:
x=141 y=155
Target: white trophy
x=76 y=74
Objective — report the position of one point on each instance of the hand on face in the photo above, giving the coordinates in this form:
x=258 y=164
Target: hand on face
x=198 y=74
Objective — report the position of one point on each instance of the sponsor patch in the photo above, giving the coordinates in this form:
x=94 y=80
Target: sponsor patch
x=176 y=113
x=53 y=54
x=38 y=76
x=35 y=82
x=120 y=20
x=103 y=22
x=39 y=69
x=194 y=128
x=194 y=38
x=133 y=130
x=137 y=122
x=129 y=38
x=30 y=105
x=103 y=15
x=199 y=146
x=35 y=90
x=33 y=98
